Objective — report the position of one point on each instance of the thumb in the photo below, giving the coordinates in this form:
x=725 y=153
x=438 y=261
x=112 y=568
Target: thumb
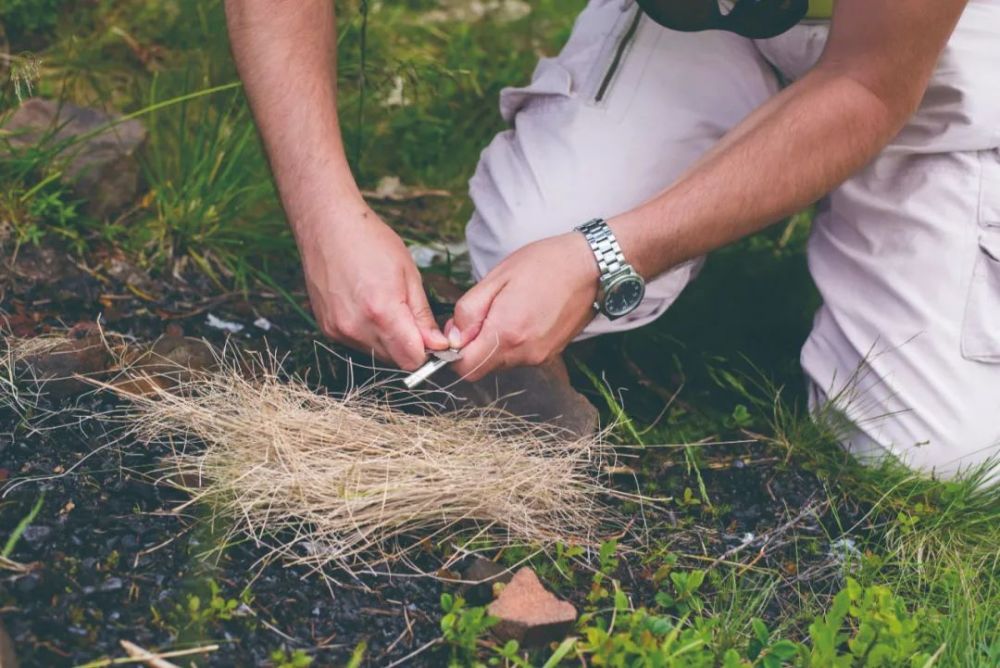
x=470 y=312
x=416 y=298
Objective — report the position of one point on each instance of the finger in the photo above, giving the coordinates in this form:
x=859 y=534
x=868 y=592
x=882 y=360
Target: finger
x=471 y=311
x=483 y=355
x=401 y=338
x=371 y=349
x=422 y=314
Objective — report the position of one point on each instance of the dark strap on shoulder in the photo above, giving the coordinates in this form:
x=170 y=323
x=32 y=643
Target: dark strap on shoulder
x=756 y=19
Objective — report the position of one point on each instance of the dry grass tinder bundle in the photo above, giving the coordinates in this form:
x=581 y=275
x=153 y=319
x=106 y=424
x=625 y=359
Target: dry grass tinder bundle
x=355 y=483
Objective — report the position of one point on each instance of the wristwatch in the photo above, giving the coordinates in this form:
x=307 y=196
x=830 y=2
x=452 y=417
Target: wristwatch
x=622 y=289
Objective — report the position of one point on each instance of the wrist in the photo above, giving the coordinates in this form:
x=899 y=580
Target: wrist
x=334 y=210
x=621 y=288
x=628 y=231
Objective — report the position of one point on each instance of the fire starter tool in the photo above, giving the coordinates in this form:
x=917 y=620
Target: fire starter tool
x=439 y=360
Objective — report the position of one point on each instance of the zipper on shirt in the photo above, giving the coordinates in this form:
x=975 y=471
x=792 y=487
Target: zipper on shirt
x=616 y=61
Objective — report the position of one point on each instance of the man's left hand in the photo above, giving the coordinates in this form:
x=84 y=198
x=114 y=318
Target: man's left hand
x=527 y=309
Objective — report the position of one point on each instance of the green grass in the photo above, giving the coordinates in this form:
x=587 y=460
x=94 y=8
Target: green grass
x=926 y=579
x=19 y=530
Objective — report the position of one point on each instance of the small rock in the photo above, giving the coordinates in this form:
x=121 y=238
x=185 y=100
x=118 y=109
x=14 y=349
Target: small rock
x=169 y=361
x=480 y=576
x=101 y=169
x=53 y=268
x=17 y=324
x=111 y=584
x=55 y=367
x=28 y=583
x=529 y=613
x=36 y=533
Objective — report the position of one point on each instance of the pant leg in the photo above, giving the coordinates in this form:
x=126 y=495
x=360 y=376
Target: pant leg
x=906 y=255
x=607 y=124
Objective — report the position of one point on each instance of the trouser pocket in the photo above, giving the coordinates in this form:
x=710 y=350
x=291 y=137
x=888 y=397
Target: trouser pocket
x=981 y=329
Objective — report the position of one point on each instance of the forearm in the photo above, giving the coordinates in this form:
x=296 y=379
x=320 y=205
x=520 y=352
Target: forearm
x=285 y=51
x=786 y=155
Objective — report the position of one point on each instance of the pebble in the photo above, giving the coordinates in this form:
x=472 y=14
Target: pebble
x=36 y=533
x=28 y=583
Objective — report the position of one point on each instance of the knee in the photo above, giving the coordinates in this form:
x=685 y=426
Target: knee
x=501 y=225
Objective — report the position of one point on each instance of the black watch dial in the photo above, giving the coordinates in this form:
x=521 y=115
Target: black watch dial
x=623 y=296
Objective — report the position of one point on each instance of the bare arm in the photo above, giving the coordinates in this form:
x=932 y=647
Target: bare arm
x=787 y=154
x=803 y=142
x=363 y=285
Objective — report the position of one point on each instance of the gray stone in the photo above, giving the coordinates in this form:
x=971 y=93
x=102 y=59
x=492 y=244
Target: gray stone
x=101 y=169
x=56 y=369
x=36 y=533
x=479 y=577
x=539 y=393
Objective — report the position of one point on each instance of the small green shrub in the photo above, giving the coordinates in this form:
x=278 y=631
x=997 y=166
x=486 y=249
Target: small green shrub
x=282 y=658
x=462 y=627
x=868 y=626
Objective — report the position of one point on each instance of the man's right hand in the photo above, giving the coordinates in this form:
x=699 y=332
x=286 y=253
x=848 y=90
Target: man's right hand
x=364 y=287
x=366 y=290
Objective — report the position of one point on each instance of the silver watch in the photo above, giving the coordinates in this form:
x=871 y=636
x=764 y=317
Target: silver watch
x=622 y=289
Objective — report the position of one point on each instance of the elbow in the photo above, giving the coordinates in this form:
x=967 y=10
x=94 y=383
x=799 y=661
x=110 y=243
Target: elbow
x=880 y=93
x=886 y=107
x=894 y=98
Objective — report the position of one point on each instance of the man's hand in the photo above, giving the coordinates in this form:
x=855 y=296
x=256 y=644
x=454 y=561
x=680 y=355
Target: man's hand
x=527 y=309
x=363 y=285
x=366 y=291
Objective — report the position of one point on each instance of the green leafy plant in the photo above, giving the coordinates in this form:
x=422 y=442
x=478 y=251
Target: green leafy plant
x=210 y=200
x=282 y=658
x=868 y=626
x=684 y=597
x=768 y=652
x=462 y=627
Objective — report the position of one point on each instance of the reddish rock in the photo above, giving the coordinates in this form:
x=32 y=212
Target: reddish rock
x=57 y=368
x=529 y=613
x=18 y=325
x=169 y=361
x=101 y=168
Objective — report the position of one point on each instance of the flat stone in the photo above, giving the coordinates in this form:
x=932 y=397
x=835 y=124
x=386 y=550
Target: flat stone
x=101 y=169
x=172 y=359
x=55 y=369
x=529 y=613
x=537 y=393
x=52 y=268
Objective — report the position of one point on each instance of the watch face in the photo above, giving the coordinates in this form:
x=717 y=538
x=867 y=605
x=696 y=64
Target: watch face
x=621 y=297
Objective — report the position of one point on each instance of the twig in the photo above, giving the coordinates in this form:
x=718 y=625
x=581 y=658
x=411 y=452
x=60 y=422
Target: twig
x=11 y=565
x=147 y=657
x=423 y=648
x=810 y=508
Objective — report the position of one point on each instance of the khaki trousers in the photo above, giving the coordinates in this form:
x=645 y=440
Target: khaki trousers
x=906 y=253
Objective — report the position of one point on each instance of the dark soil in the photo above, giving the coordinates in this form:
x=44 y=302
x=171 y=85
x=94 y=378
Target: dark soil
x=109 y=559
